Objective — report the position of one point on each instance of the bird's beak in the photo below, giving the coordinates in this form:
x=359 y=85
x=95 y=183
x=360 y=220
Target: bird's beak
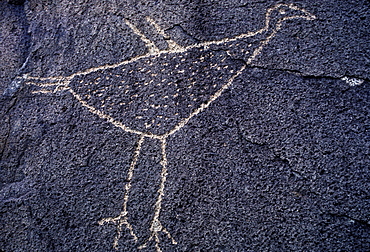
x=302 y=13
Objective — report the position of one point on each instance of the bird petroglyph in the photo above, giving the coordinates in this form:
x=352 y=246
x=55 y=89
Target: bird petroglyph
x=155 y=94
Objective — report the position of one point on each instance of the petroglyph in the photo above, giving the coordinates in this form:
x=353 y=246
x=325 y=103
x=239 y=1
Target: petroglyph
x=156 y=94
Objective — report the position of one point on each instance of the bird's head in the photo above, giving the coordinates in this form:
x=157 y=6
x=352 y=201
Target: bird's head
x=290 y=11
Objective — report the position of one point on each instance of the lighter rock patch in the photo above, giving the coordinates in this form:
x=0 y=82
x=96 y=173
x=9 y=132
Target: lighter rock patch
x=352 y=81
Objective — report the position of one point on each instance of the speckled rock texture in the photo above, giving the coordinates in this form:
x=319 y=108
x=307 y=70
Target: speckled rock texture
x=144 y=126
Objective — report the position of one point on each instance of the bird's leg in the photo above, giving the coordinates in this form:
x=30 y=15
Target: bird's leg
x=156 y=225
x=122 y=219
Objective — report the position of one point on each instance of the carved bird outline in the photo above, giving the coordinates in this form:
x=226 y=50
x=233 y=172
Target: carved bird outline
x=154 y=95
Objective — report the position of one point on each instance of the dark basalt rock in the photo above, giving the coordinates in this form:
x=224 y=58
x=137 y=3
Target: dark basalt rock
x=15 y=42
x=17 y=2
x=278 y=162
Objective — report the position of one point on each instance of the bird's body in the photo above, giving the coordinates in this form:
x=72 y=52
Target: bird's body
x=154 y=95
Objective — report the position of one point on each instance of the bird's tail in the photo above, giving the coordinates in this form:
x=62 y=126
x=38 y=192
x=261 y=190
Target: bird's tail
x=40 y=85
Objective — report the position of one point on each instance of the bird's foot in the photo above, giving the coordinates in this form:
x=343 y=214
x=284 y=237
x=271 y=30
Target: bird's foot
x=120 y=220
x=155 y=229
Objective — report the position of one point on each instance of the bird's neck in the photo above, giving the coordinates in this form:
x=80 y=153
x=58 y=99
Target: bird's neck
x=269 y=29
x=272 y=25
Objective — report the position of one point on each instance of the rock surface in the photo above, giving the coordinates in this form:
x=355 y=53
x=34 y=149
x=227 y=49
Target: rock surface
x=278 y=162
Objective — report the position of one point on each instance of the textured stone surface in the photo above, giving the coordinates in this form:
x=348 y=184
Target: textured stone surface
x=278 y=162
x=14 y=42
